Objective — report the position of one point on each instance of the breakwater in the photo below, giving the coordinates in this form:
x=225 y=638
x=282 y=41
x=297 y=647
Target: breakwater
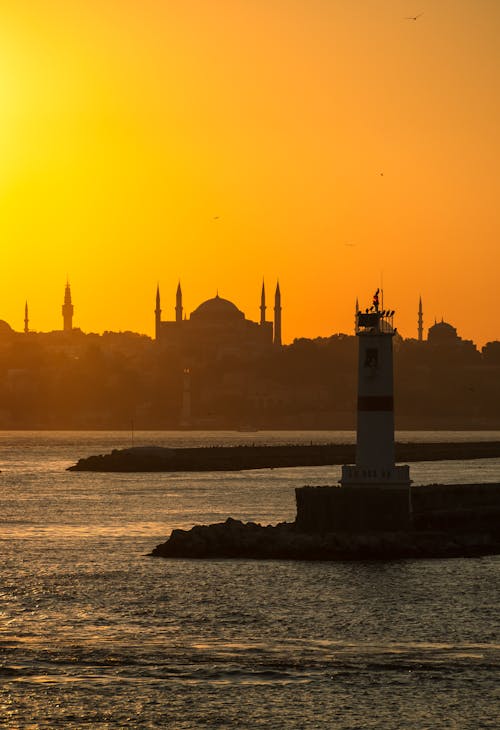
x=447 y=521
x=236 y=458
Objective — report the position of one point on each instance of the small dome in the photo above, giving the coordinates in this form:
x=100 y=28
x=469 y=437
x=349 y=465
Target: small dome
x=5 y=328
x=217 y=308
x=442 y=332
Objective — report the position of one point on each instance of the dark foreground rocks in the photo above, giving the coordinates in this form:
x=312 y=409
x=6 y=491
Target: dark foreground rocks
x=235 y=458
x=235 y=539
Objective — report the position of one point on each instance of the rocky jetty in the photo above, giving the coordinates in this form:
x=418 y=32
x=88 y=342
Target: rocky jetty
x=236 y=458
x=235 y=539
x=446 y=520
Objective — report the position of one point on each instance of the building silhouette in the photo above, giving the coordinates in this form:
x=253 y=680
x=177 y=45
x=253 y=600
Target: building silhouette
x=214 y=367
x=217 y=327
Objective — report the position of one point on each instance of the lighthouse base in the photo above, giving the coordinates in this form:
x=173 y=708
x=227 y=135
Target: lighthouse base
x=355 y=510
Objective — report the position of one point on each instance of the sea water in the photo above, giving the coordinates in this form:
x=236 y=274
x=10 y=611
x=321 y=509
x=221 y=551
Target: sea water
x=96 y=634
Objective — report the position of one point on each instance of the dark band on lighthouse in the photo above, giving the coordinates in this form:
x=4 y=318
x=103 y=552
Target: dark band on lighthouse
x=375 y=403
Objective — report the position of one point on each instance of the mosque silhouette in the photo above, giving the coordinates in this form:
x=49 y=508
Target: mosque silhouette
x=218 y=324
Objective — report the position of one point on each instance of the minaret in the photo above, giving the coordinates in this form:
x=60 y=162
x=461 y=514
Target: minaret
x=178 y=303
x=420 y=321
x=263 y=304
x=356 y=310
x=277 y=315
x=67 y=310
x=375 y=467
x=157 y=314
x=26 y=319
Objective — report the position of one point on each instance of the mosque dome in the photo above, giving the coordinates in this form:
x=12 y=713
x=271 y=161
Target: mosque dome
x=217 y=309
x=442 y=332
x=5 y=328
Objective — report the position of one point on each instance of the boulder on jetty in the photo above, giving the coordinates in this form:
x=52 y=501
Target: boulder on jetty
x=235 y=458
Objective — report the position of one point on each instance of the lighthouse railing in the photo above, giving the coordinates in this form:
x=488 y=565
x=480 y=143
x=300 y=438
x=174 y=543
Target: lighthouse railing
x=375 y=322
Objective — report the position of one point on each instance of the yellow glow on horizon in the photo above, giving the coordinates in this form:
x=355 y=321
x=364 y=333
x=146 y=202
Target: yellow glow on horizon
x=338 y=143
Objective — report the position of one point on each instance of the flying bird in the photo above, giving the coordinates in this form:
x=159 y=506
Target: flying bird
x=413 y=17
x=216 y=217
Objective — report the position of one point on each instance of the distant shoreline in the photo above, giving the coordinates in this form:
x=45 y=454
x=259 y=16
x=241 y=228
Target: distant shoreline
x=228 y=429
x=238 y=458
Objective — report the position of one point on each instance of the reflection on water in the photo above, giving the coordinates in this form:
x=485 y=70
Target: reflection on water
x=95 y=634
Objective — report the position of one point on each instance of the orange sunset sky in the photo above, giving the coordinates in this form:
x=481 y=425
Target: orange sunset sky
x=337 y=141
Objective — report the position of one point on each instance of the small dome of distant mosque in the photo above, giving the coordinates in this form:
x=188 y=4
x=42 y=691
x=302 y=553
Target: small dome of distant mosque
x=442 y=332
x=217 y=308
x=5 y=328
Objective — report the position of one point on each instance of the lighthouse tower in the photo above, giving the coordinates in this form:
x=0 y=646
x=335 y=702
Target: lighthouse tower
x=375 y=467
x=374 y=493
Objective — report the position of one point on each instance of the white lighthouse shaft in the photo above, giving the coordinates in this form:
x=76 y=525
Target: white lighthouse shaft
x=375 y=414
x=375 y=417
